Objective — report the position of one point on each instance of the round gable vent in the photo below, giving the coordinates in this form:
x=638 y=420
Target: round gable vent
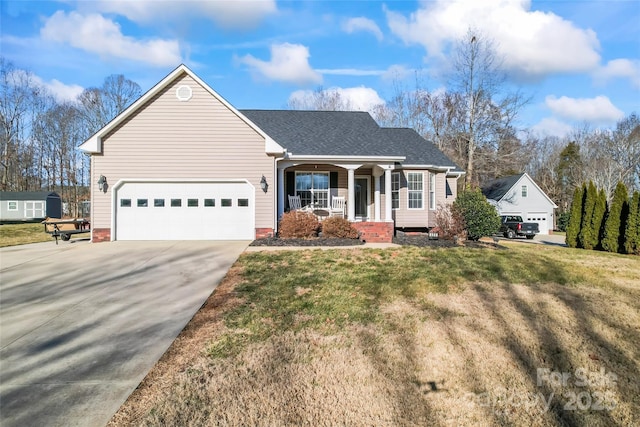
x=184 y=93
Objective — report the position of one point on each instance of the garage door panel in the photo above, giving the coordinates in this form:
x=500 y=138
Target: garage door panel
x=541 y=219
x=186 y=211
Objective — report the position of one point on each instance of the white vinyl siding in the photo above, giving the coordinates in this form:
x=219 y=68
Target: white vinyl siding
x=415 y=190
x=12 y=205
x=196 y=139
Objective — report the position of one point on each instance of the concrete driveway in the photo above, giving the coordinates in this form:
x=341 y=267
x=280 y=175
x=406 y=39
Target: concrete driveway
x=81 y=324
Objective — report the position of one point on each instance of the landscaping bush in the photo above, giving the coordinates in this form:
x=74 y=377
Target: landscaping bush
x=615 y=224
x=338 y=227
x=563 y=221
x=298 y=225
x=480 y=217
x=632 y=231
x=575 y=216
x=449 y=223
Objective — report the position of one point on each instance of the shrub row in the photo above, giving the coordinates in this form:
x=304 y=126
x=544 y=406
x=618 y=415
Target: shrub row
x=305 y=225
x=594 y=224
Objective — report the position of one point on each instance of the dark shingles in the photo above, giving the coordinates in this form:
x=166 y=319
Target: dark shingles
x=496 y=189
x=24 y=195
x=344 y=133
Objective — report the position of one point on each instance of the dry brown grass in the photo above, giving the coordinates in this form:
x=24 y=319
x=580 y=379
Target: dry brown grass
x=466 y=357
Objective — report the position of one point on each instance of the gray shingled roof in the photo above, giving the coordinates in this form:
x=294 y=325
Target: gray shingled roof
x=25 y=195
x=344 y=133
x=496 y=189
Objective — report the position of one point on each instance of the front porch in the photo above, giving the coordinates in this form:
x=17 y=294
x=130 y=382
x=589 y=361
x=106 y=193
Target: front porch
x=360 y=184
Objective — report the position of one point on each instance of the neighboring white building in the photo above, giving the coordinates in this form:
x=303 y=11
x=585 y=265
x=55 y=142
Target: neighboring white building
x=520 y=195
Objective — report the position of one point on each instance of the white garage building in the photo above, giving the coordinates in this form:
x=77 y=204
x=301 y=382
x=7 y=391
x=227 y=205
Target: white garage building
x=520 y=195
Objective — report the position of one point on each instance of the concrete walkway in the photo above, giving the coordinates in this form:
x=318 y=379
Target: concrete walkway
x=81 y=324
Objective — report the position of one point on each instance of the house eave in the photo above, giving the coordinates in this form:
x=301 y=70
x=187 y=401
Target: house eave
x=360 y=159
x=92 y=146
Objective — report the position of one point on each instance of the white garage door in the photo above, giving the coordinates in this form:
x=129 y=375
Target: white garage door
x=541 y=219
x=185 y=211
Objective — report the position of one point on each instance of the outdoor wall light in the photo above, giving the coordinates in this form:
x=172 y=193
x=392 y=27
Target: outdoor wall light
x=263 y=184
x=102 y=183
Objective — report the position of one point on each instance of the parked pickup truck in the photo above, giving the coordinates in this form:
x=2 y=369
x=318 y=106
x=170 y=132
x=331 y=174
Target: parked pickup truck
x=513 y=226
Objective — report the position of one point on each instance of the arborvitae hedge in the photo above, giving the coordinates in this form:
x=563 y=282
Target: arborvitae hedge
x=588 y=237
x=632 y=231
x=599 y=215
x=575 y=218
x=615 y=223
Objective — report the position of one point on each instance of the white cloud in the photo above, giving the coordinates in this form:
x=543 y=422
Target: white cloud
x=94 y=33
x=362 y=24
x=355 y=98
x=397 y=72
x=351 y=72
x=60 y=91
x=232 y=14
x=550 y=126
x=289 y=63
x=620 y=68
x=595 y=110
x=532 y=43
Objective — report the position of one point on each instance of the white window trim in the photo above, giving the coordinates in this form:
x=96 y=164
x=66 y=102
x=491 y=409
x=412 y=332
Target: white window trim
x=316 y=172
x=415 y=191
x=395 y=174
x=9 y=208
x=432 y=191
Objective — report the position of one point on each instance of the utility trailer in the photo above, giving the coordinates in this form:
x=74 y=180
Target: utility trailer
x=64 y=228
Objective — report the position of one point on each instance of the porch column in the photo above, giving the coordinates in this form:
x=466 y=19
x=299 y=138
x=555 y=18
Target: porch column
x=351 y=201
x=376 y=197
x=388 y=215
x=280 y=192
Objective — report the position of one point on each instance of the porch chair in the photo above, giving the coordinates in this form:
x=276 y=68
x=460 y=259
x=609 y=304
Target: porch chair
x=294 y=203
x=337 y=206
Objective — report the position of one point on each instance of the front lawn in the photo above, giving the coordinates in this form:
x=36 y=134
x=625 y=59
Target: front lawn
x=516 y=335
x=20 y=234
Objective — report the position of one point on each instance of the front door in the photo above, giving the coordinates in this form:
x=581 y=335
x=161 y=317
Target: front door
x=362 y=194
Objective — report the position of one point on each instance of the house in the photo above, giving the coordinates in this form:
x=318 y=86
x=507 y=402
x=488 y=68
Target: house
x=29 y=205
x=520 y=195
x=182 y=163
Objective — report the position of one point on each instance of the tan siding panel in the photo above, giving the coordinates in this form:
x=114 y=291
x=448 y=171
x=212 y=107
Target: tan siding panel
x=200 y=138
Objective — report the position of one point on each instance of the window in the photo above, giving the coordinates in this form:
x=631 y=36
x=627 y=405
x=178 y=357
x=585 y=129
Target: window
x=192 y=203
x=209 y=203
x=176 y=203
x=125 y=203
x=243 y=202
x=524 y=191
x=415 y=189
x=225 y=203
x=432 y=190
x=313 y=188
x=143 y=203
x=158 y=203
x=395 y=190
x=12 y=206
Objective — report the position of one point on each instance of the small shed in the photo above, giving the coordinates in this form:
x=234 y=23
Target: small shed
x=29 y=205
x=519 y=195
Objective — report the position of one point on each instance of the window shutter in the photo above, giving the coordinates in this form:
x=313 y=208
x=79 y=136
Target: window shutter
x=290 y=184
x=333 y=184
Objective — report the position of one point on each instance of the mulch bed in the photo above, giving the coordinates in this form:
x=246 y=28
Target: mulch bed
x=318 y=241
x=421 y=240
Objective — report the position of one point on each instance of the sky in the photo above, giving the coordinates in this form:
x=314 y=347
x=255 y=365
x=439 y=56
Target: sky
x=579 y=61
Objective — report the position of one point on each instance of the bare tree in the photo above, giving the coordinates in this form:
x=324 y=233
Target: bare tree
x=490 y=108
x=321 y=100
x=98 y=106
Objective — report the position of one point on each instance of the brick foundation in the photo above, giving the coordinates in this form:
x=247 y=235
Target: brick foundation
x=262 y=233
x=101 y=235
x=375 y=232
